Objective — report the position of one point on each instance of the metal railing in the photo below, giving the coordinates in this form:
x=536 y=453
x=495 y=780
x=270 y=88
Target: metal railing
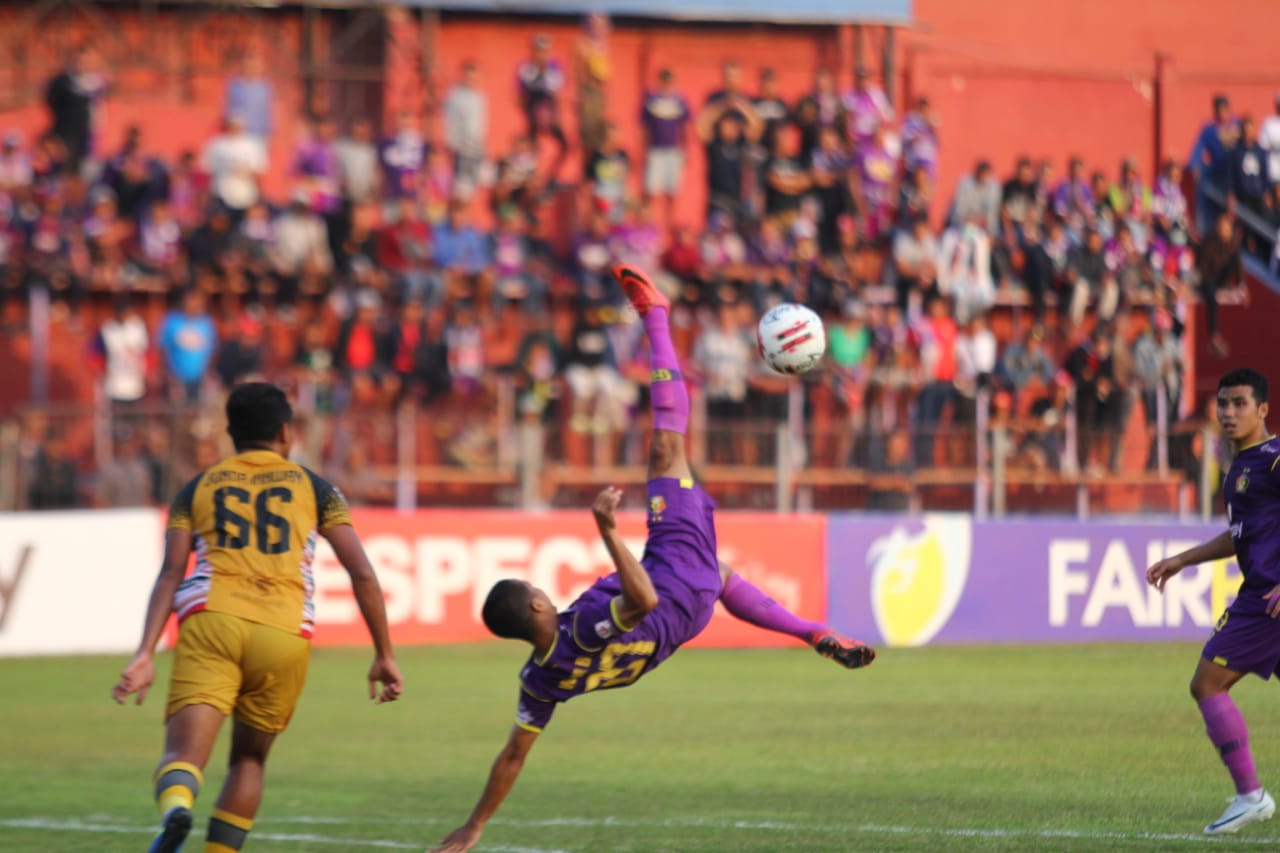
x=497 y=455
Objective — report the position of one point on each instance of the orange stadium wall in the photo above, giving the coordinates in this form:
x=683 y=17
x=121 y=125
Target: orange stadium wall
x=1051 y=78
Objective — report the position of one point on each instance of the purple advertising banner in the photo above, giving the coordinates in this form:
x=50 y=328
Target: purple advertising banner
x=943 y=578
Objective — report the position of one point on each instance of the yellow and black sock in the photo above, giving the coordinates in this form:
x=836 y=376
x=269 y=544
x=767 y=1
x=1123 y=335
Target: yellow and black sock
x=227 y=832
x=177 y=784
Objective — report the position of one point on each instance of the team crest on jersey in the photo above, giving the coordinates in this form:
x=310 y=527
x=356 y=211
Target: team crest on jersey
x=657 y=505
x=1242 y=482
x=604 y=629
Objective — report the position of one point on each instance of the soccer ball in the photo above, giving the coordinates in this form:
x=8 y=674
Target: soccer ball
x=791 y=338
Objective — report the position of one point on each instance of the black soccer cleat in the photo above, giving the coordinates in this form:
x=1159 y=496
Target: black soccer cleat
x=177 y=825
x=851 y=654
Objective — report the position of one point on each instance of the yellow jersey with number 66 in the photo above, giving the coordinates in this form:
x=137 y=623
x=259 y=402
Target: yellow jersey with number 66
x=254 y=518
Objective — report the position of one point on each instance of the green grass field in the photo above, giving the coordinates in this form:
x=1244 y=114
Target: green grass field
x=1062 y=748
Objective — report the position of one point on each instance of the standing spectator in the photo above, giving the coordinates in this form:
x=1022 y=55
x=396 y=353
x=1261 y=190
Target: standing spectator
x=1089 y=279
x=1104 y=214
x=920 y=139
x=249 y=95
x=1168 y=204
x=1073 y=201
x=403 y=155
x=461 y=247
x=593 y=257
x=1039 y=274
x=770 y=107
x=664 y=117
x=593 y=73
x=938 y=335
x=15 y=165
x=466 y=126
x=977 y=195
x=1025 y=366
x=1157 y=361
x=136 y=179
x=1129 y=267
x=831 y=173
x=592 y=374
x=187 y=341
x=728 y=131
x=723 y=355
x=608 y=172
x=316 y=168
x=1218 y=263
x=360 y=353
x=418 y=358
x=915 y=196
x=877 y=172
x=188 y=192
x=1099 y=401
x=964 y=270
x=867 y=106
x=120 y=351
x=731 y=92
x=255 y=241
x=1247 y=181
x=1209 y=163
x=234 y=160
x=976 y=349
x=830 y=108
x=541 y=79
x=358 y=164
x=786 y=180
x=74 y=101
x=1269 y=139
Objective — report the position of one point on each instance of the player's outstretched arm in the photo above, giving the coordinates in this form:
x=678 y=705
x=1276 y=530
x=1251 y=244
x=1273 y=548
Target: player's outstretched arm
x=638 y=595
x=368 y=594
x=1218 y=548
x=502 y=776
x=141 y=671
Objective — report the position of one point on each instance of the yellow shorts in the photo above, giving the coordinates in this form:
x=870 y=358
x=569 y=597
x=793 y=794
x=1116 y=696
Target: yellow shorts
x=254 y=671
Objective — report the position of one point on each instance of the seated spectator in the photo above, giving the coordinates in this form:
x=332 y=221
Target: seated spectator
x=462 y=250
x=406 y=252
x=1104 y=215
x=1131 y=200
x=358 y=171
x=1025 y=366
x=313 y=368
x=849 y=350
x=255 y=242
x=1099 y=399
x=403 y=155
x=867 y=108
x=120 y=351
x=1018 y=195
x=830 y=173
x=915 y=263
x=1130 y=269
x=107 y=235
x=1168 y=204
x=915 y=196
x=136 y=179
x=1074 y=203
x=240 y=355
x=1089 y=279
x=1157 y=360
x=590 y=369
x=235 y=161
x=301 y=251
x=877 y=171
x=1038 y=273
x=512 y=279
x=964 y=269
x=938 y=333
x=722 y=359
x=786 y=179
x=317 y=170
x=723 y=251
x=157 y=253
x=418 y=357
x=977 y=199
x=15 y=164
x=361 y=357
x=920 y=140
x=637 y=240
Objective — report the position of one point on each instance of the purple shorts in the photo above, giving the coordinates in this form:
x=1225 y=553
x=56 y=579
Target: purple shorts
x=680 y=552
x=1246 y=639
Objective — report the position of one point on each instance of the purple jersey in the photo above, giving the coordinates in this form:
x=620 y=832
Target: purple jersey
x=593 y=649
x=1246 y=638
x=664 y=115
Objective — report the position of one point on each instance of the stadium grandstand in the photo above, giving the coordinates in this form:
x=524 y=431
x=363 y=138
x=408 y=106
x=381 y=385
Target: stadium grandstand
x=405 y=213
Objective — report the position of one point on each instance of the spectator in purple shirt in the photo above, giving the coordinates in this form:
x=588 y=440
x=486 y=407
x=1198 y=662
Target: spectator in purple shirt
x=868 y=108
x=920 y=138
x=877 y=171
x=403 y=155
x=316 y=165
x=541 y=79
x=665 y=118
x=1073 y=202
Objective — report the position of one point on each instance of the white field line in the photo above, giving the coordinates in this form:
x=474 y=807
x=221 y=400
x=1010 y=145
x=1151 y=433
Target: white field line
x=103 y=823
x=294 y=838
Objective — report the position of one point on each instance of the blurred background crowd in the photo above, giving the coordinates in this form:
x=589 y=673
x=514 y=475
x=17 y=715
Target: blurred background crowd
x=406 y=268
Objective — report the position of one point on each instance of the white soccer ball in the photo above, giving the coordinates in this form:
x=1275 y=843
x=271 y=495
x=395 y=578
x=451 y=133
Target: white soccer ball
x=791 y=338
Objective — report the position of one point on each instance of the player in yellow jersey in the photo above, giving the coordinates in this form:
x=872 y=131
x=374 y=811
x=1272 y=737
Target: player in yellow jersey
x=245 y=614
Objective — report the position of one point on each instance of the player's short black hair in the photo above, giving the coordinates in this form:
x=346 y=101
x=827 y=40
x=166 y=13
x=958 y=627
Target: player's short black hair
x=506 y=610
x=1246 y=376
x=256 y=411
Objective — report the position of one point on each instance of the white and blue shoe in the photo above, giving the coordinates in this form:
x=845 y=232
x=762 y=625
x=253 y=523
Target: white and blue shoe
x=177 y=825
x=1243 y=810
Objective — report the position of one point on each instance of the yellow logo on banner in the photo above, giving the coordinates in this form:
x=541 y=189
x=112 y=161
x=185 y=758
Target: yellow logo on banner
x=917 y=578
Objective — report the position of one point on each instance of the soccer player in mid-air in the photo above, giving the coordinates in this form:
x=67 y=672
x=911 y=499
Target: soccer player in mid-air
x=245 y=615
x=1247 y=637
x=630 y=621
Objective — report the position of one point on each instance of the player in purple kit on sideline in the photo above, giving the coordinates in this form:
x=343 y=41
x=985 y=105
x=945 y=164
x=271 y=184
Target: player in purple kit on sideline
x=1247 y=637
x=630 y=621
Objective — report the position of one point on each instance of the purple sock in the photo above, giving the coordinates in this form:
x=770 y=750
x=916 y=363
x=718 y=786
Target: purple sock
x=1226 y=728
x=667 y=394
x=746 y=601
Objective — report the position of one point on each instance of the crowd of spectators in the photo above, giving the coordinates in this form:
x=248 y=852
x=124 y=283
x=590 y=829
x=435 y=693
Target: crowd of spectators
x=409 y=265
